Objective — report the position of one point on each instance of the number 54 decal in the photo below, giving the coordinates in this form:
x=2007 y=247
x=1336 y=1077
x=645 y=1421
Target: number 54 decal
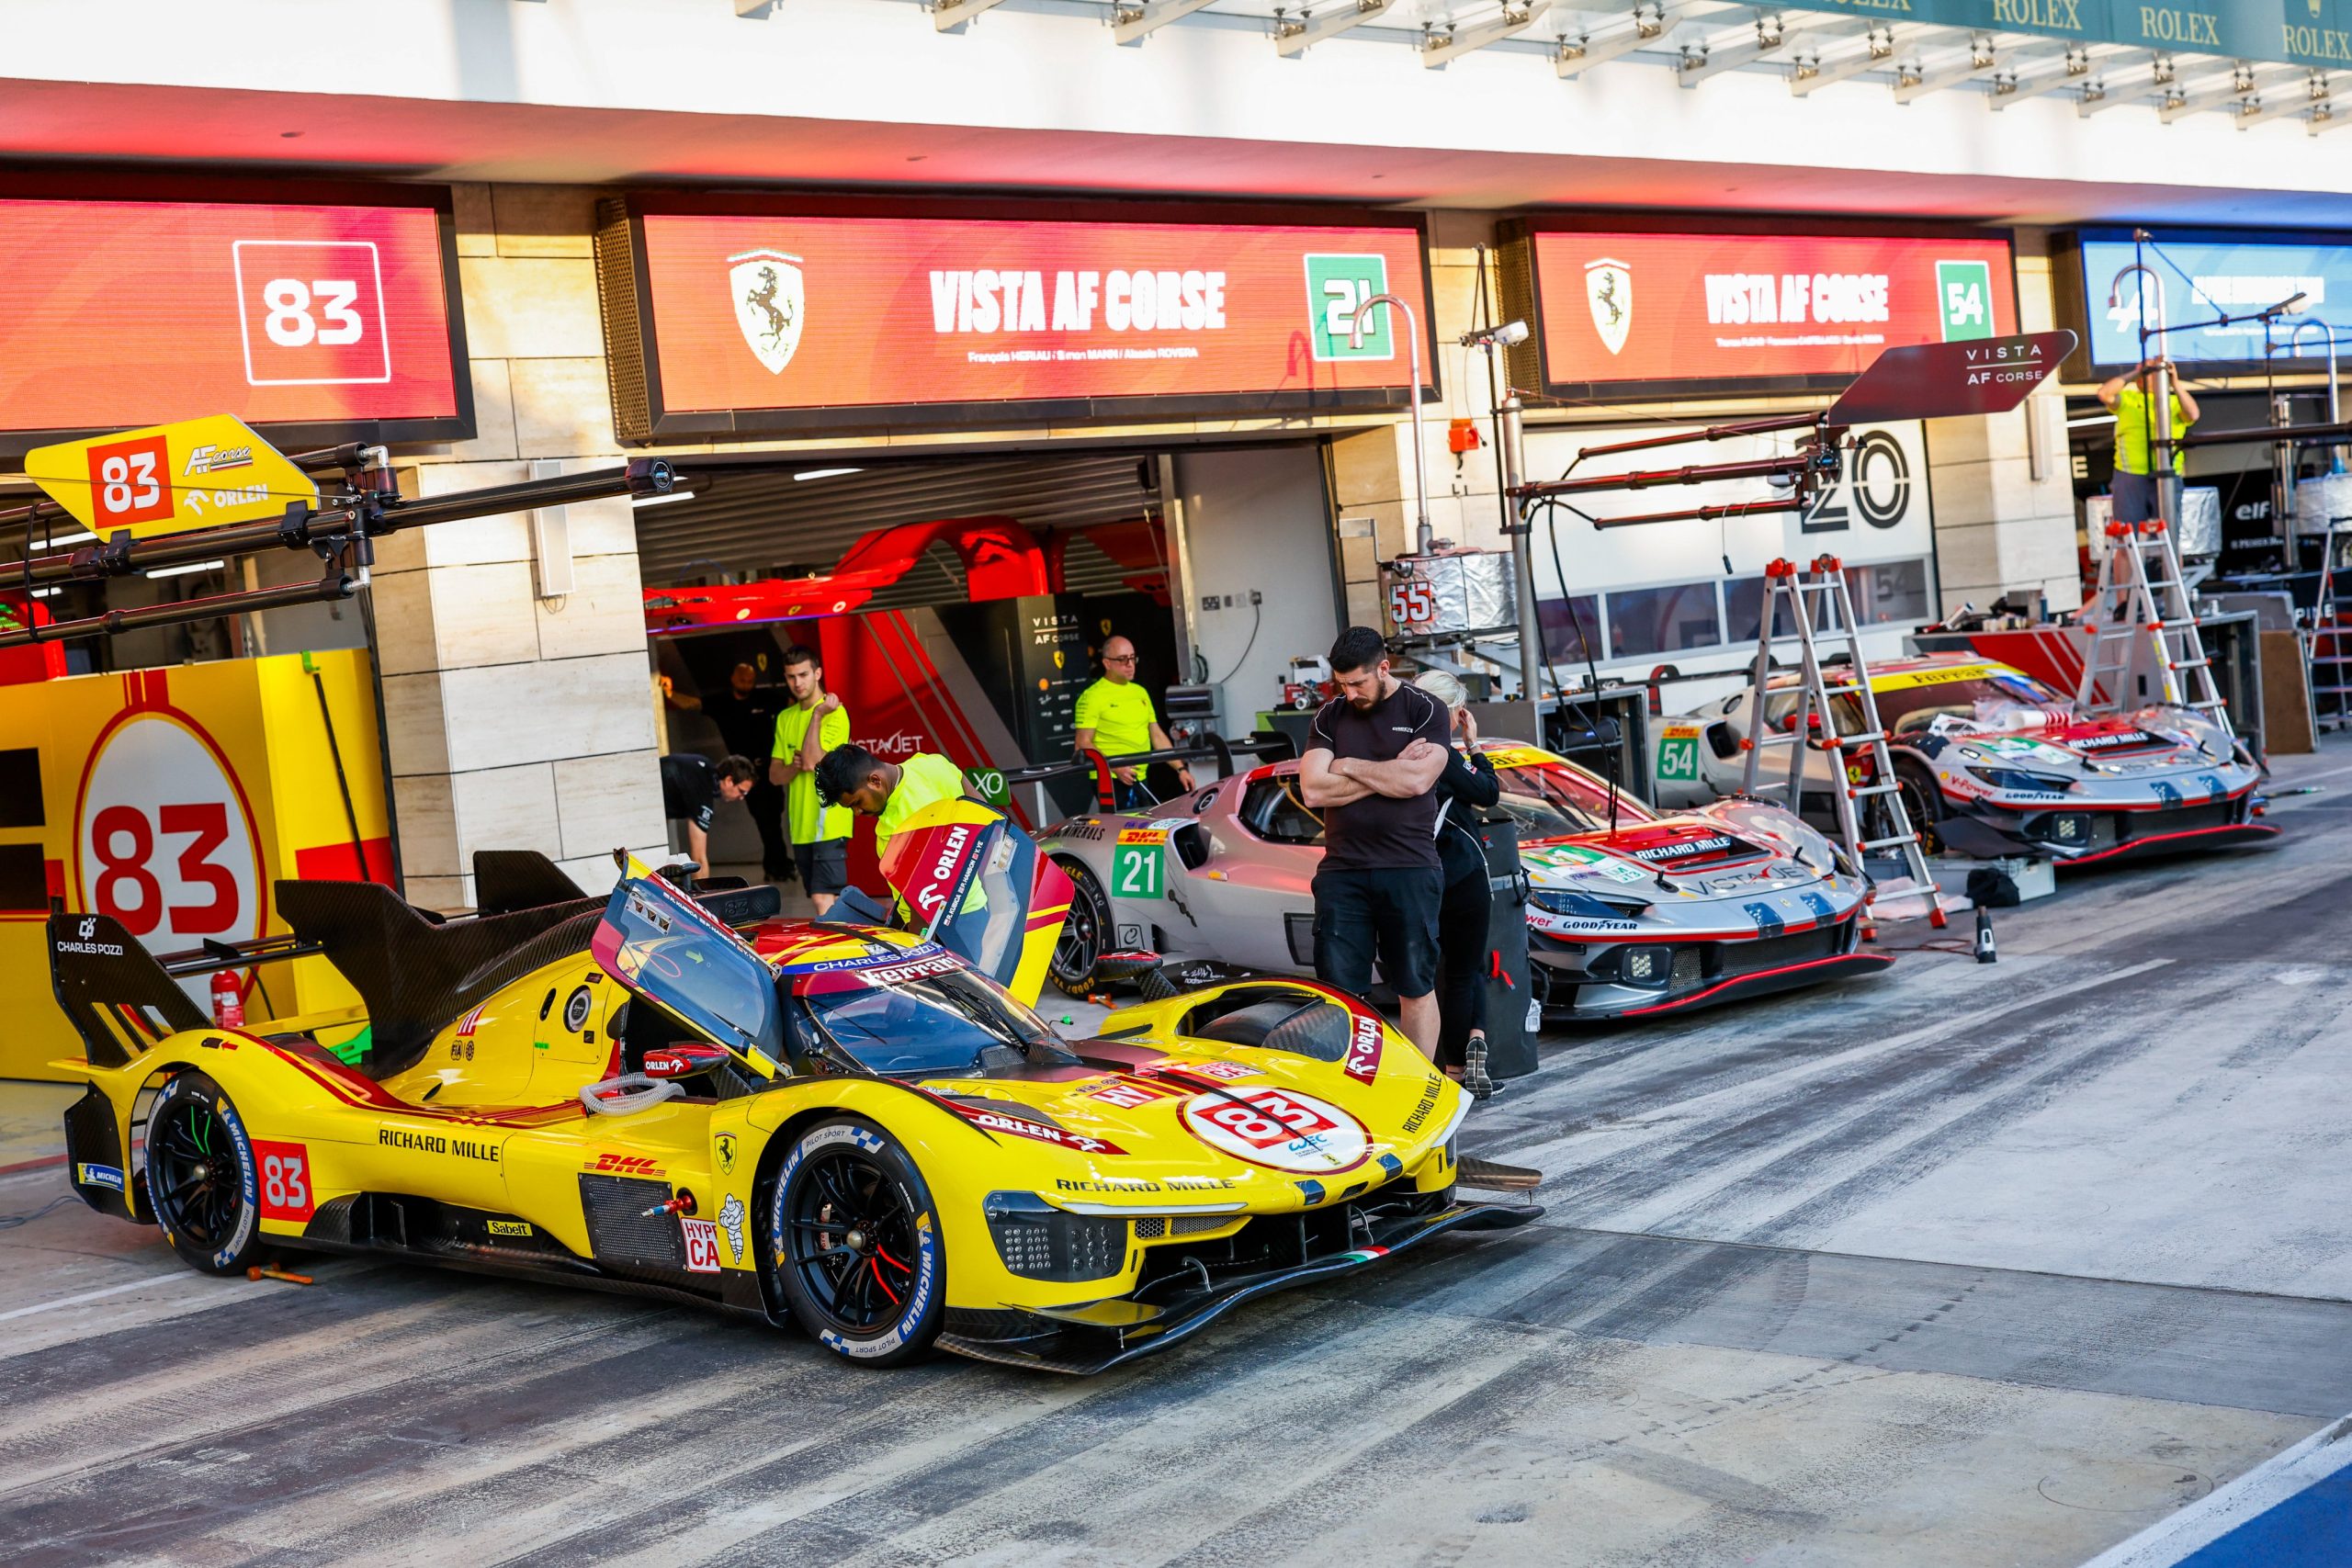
x=285 y=1180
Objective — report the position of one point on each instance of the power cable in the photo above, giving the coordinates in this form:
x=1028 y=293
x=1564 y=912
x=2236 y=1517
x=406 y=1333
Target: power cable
x=1257 y=614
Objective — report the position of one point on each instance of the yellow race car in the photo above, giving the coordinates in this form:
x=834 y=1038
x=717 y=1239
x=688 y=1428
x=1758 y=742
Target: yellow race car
x=859 y=1129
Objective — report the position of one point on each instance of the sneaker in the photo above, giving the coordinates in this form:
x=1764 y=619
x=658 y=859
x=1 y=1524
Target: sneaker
x=1474 y=1069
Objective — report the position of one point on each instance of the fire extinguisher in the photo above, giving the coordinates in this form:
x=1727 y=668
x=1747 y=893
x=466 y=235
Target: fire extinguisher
x=228 y=1000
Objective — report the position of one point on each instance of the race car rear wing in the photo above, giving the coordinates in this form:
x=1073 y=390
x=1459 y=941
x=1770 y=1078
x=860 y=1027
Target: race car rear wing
x=119 y=997
x=1093 y=762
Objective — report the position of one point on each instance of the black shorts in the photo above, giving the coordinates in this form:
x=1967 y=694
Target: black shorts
x=824 y=867
x=1390 y=913
x=2135 y=497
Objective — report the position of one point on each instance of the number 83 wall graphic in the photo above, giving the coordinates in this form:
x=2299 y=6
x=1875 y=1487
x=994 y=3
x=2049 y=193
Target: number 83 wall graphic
x=171 y=800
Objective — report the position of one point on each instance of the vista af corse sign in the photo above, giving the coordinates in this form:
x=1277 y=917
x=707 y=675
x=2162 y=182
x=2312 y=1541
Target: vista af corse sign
x=1693 y=310
x=798 y=319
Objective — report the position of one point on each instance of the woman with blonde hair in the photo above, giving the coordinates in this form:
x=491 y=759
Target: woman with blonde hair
x=1468 y=785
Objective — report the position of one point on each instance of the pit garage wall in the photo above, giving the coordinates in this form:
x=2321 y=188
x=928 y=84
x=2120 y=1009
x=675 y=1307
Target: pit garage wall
x=1257 y=520
x=513 y=721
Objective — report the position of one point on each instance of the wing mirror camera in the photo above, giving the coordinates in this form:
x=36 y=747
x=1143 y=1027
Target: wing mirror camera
x=684 y=1060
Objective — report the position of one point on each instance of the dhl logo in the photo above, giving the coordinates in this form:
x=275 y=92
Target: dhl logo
x=626 y=1165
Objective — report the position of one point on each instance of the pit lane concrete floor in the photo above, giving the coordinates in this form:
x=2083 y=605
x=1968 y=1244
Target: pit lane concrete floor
x=1965 y=1264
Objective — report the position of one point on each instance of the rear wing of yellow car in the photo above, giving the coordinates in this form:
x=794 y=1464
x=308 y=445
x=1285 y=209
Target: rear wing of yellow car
x=117 y=996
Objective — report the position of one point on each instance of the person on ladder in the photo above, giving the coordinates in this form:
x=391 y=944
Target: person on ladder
x=2134 y=487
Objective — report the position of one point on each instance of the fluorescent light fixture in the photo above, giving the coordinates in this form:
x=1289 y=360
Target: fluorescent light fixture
x=825 y=473
x=45 y=592
x=82 y=536
x=663 y=499
x=2090 y=418
x=185 y=570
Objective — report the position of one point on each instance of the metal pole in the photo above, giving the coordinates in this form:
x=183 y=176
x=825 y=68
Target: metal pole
x=1511 y=445
x=1425 y=537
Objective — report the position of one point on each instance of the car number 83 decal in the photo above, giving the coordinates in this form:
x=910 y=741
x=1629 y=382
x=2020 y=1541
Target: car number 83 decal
x=1279 y=1128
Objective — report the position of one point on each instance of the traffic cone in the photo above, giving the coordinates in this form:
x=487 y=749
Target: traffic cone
x=1986 y=952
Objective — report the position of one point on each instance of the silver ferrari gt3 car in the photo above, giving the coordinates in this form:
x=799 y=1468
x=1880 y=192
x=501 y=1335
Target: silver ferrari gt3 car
x=1736 y=898
x=1992 y=762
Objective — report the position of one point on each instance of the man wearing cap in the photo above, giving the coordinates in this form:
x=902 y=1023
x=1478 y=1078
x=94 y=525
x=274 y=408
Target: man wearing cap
x=1116 y=717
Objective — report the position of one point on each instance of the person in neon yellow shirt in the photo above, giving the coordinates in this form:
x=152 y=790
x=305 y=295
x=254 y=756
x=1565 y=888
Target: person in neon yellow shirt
x=2134 y=486
x=1116 y=717
x=812 y=725
x=853 y=777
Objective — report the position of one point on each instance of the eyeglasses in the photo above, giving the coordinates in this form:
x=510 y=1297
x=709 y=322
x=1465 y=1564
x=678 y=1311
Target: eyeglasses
x=1119 y=658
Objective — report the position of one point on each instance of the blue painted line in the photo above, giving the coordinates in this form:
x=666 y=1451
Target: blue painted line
x=2311 y=1530
x=2293 y=1510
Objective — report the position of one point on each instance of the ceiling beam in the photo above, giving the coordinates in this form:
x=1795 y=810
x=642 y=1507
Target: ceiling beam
x=1812 y=72
x=1651 y=24
x=1133 y=24
x=2179 y=104
x=946 y=15
x=2285 y=98
x=1439 y=48
x=1911 y=82
x=2098 y=97
x=2326 y=117
x=2074 y=69
x=1771 y=32
x=1294 y=36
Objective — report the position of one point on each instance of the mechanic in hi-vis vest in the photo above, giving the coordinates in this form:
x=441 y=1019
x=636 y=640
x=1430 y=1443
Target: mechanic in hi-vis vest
x=812 y=724
x=851 y=776
x=1116 y=717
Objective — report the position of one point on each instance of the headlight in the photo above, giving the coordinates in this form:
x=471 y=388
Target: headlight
x=1038 y=1241
x=1586 y=905
x=2017 y=778
x=1645 y=966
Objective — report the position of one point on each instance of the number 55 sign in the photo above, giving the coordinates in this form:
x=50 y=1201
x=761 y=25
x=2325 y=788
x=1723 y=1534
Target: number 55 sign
x=199 y=473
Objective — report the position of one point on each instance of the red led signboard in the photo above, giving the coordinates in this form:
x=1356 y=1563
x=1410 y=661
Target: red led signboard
x=759 y=321
x=1683 y=311
x=327 y=318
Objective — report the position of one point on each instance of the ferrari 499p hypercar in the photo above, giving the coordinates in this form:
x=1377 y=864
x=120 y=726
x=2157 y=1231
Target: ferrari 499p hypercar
x=1631 y=911
x=856 y=1129
x=1992 y=762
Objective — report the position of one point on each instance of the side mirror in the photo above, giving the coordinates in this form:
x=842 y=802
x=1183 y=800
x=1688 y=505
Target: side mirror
x=683 y=1060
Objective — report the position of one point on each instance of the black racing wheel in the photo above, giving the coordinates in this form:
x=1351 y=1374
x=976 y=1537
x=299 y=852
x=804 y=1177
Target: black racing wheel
x=1087 y=931
x=202 y=1182
x=853 y=1239
x=1923 y=803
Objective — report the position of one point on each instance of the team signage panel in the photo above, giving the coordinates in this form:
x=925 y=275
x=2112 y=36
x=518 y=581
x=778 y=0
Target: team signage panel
x=777 y=320
x=2295 y=32
x=116 y=313
x=1703 y=310
x=2198 y=278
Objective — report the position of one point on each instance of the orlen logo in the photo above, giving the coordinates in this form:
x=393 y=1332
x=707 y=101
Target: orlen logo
x=943 y=868
x=1363 y=1051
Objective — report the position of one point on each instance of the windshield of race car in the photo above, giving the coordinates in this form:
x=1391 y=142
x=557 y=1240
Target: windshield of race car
x=1982 y=699
x=1550 y=798
x=950 y=1024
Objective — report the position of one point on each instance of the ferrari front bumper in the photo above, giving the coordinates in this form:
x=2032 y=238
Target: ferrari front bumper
x=1093 y=1336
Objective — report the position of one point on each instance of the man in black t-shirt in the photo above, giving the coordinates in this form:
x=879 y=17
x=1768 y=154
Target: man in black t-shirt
x=745 y=715
x=1372 y=756
x=690 y=791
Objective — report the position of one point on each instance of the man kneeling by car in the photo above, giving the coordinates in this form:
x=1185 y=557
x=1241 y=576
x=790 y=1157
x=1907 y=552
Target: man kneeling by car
x=1375 y=753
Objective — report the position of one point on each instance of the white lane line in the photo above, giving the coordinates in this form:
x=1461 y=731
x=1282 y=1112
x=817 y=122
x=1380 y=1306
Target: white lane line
x=2213 y=1516
x=85 y=1296
x=2306 y=778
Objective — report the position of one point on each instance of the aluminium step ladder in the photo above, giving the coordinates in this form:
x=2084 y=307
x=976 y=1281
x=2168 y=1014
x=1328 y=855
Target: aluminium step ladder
x=2327 y=645
x=1821 y=609
x=2141 y=610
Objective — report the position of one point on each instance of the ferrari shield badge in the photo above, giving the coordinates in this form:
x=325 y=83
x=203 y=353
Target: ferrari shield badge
x=1608 y=290
x=769 y=304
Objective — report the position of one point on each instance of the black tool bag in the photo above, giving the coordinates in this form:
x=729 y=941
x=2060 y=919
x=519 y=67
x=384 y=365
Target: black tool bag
x=1511 y=1016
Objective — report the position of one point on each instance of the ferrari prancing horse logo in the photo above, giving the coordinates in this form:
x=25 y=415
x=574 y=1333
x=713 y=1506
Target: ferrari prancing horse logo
x=1608 y=290
x=769 y=300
